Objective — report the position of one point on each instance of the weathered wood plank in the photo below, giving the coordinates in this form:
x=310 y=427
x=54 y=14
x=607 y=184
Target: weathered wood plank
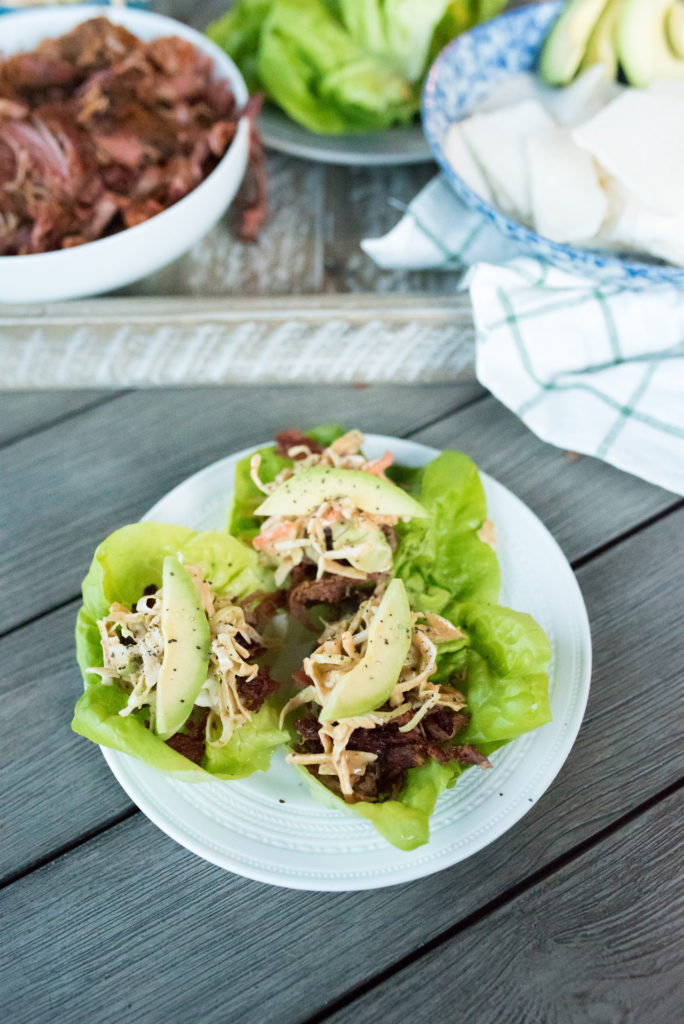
x=600 y=940
x=366 y=202
x=151 y=341
x=287 y=258
x=21 y=412
x=610 y=771
x=65 y=489
x=47 y=772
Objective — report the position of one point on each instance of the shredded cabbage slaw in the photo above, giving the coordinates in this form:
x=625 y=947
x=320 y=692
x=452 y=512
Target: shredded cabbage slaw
x=341 y=646
x=133 y=650
x=338 y=537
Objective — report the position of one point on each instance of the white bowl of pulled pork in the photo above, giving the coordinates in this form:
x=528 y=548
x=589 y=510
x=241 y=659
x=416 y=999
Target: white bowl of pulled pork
x=123 y=140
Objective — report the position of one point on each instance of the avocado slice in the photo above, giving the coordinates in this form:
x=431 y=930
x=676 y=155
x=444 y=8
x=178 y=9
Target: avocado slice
x=313 y=485
x=643 y=47
x=369 y=684
x=187 y=644
x=602 y=45
x=566 y=43
x=674 y=23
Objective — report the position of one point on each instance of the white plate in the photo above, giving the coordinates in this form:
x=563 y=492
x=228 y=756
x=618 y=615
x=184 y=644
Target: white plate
x=395 y=146
x=269 y=827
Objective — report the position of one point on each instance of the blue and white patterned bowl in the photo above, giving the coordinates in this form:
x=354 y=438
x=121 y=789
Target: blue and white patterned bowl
x=460 y=78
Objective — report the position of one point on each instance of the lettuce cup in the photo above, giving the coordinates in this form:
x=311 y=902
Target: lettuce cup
x=170 y=652
x=417 y=673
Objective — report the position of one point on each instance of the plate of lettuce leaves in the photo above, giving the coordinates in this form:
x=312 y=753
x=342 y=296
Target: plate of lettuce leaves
x=342 y=78
x=335 y=662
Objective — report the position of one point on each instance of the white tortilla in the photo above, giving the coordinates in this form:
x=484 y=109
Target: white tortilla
x=639 y=138
x=461 y=159
x=631 y=226
x=497 y=141
x=589 y=93
x=513 y=90
x=568 y=203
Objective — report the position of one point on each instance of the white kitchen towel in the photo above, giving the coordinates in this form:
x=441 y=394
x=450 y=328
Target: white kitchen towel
x=593 y=368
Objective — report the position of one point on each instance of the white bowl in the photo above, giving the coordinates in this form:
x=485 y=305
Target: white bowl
x=133 y=252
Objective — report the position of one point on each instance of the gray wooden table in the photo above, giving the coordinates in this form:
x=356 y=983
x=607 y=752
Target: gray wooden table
x=571 y=916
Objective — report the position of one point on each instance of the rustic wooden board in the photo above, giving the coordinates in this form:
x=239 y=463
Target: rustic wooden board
x=611 y=770
x=125 y=342
x=556 y=952
x=378 y=325
x=66 y=488
x=287 y=258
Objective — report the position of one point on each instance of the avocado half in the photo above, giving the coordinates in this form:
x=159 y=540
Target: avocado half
x=643 y=37
x=602 y=45
x=313 y=485
x=567 y=42
x=187 y=646
x=644 y=30
x=370 y=683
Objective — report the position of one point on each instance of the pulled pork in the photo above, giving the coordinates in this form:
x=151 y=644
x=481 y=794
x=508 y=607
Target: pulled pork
x=99 y=131
x=366 y=756
x=394 y=751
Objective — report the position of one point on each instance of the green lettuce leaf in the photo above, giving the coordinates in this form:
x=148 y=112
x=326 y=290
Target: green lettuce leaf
x=335 y=66
x=238 y=32
x=501 y=669
x=501 y=662
x=343 y=66
x=442 y=559
x=123 y=565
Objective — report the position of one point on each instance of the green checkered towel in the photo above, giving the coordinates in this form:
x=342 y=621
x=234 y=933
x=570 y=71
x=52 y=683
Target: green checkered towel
x=590 y=368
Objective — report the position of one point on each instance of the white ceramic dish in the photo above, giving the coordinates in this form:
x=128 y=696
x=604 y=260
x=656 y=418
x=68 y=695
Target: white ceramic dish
x=269 y=827
x=377 y=149
x=131 y=254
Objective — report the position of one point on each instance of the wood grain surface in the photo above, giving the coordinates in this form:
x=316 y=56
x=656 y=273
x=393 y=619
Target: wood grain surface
x=617 y=915
x=573 y=916
x=95 y=893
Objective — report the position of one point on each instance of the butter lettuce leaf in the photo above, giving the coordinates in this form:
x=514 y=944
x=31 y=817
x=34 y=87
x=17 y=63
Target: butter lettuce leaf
x=123 y=565
x=502 y=670
x=339 y=66
x=501 y=662
x=238 y=32
x=442 y=559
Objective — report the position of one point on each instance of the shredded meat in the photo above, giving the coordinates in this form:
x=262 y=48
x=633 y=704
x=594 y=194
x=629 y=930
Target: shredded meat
x=301 y=679
x=306 y=590
x=266 y=607
x=442 y=725
x=294 y=438
x=253 y=692
x=327 y=590
x=308 y=730
x=100 y=131
x=469 y=754
x=398 y=751
x=191 y=743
